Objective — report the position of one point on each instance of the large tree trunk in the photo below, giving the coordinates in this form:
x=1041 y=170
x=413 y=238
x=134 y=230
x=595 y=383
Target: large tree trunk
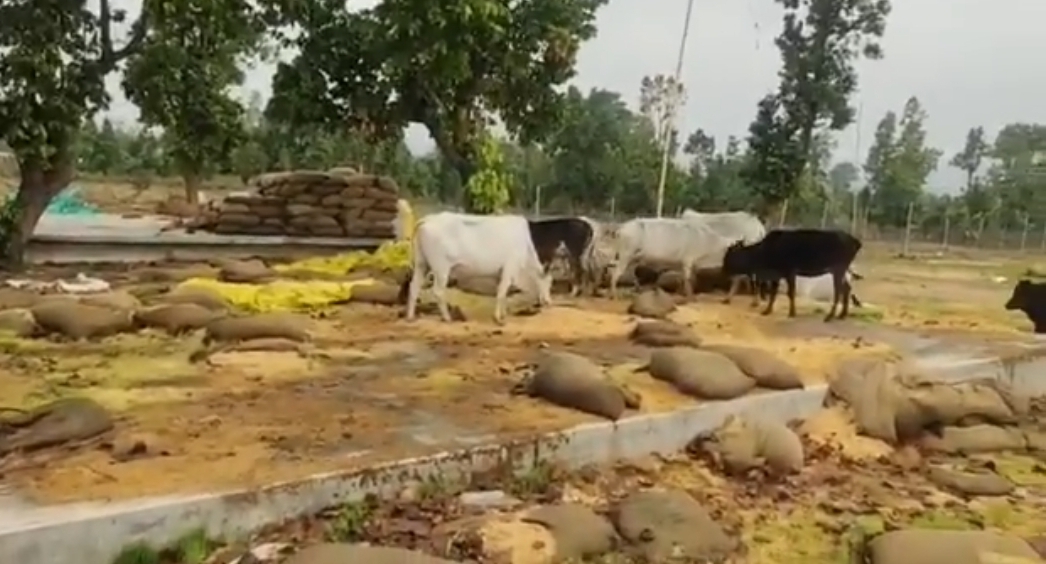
x=35 y=191
x=192 y=187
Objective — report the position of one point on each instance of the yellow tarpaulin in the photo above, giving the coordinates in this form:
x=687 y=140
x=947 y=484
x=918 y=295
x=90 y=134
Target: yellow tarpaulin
x=280 y=295
x=389 y=256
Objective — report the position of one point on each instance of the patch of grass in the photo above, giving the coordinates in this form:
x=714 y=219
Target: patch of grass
x=434 y=487
x=349 y=522
x=1024 y=471
x=194 y=547
x=534 y=481
x=138 y=553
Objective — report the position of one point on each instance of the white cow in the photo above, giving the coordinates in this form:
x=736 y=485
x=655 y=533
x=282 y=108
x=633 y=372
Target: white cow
x=477 y=245
x=734 y=226
x=665 y=240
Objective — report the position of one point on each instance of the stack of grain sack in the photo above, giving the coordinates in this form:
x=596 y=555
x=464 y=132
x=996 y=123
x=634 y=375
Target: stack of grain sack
x=336 y=203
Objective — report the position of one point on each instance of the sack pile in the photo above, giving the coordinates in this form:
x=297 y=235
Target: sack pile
x=337 y=203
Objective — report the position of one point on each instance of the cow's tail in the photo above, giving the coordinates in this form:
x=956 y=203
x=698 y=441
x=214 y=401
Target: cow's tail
x=855 y=275
x=415 y=255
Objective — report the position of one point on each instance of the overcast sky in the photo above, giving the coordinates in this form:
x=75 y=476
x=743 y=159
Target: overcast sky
x=970 y=62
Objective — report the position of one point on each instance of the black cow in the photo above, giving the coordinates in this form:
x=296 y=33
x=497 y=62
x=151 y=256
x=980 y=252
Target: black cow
x=1030 y=297
x=574 y=233
x=766 y=287
x=788 y=253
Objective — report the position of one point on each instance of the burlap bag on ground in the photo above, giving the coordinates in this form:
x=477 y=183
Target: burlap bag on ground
x=975 y=439
x=767 y=370
x=261 y=326
x=573 y=381
x=54 y=423
x=878 y=401
x=915 y=546
x=117 y=299
x=204 y=297
x=652 y=303
x=578 y=531
x=18 y=323
x=698 y=373
x=360 y=554
x=376 y=293
x=961 y=403
x=671 y=526
x=15 y=298
x=970 y=483
x=176 y=319
x=81 y=321
x=245 y=272
x=664 y=334
x=741 y=444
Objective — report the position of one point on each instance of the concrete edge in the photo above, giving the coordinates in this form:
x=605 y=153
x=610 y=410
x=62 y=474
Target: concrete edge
x=94 y=534
x=162 y=239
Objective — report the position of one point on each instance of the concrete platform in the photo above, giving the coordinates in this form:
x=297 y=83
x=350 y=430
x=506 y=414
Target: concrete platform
x=113 y=238
x=93 y=533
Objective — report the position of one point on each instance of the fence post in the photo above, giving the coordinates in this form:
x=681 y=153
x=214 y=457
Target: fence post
x=613 y=208
x=824 y=215
x=947 y=228
x=784 y=214
x=1024 y=232
x=853 y=212
x=908 y=228
x=980 y=231
x=537 y=202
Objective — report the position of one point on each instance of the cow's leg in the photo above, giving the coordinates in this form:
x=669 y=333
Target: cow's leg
x=440 y=280
x=688 y=279
x=417 y=280
x=774 y=282
x=501 y=299
x=837 y=291
x=756 y=289
x=578 y=274
x=735 y=281
x=616 y=270
x=790 y=281
x=844 y=284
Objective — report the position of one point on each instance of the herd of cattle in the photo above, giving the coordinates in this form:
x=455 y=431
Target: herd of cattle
x=519 y=252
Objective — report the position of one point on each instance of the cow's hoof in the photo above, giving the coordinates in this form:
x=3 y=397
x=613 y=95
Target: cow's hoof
x=764 y=312
x=726 y=301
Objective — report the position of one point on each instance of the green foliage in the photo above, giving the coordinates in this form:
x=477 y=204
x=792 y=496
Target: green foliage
x=898 y=165
x=488 y=189
x=820 y=41
x=446 y=65
x=181 y=77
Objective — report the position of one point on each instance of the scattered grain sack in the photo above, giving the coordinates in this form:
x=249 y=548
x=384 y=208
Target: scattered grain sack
x=652 y=303
x=117 y=299
x=925 y=546
x=329 y=553
x=261 y=326
x=54 y=424
x=698 y=373
x=971 y=483
x=573 y=381
x=664 y=334
x=975 y=439
x=17 y=298
x=670 y=526
x=579 y=533
x=176 y=319
x=81 y=321
x=741 y=444
x=764 y=367
x=246 y=272
x=201 y=296
x=17 y=323
x=376 y=293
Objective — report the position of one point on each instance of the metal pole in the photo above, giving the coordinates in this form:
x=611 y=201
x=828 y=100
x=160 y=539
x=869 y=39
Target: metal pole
x=908 y=229
x=671 y=111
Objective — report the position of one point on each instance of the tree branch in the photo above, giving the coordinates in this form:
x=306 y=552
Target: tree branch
x=111 y=56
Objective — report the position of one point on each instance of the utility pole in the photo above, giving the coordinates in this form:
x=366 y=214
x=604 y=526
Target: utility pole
x=672 y=111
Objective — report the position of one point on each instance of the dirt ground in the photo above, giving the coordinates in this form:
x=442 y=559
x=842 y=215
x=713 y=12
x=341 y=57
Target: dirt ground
x=826 y=514
x=374 y=387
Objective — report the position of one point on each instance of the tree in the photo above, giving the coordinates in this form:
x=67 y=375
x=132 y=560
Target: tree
x=1018 y=173
x=660 y=96
x=972 y=155
x=180 y=80
x=899 y=162
x=54 y=57
x=450 y=66
x=842 y=177
x=100 y=148
x=820 y=41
